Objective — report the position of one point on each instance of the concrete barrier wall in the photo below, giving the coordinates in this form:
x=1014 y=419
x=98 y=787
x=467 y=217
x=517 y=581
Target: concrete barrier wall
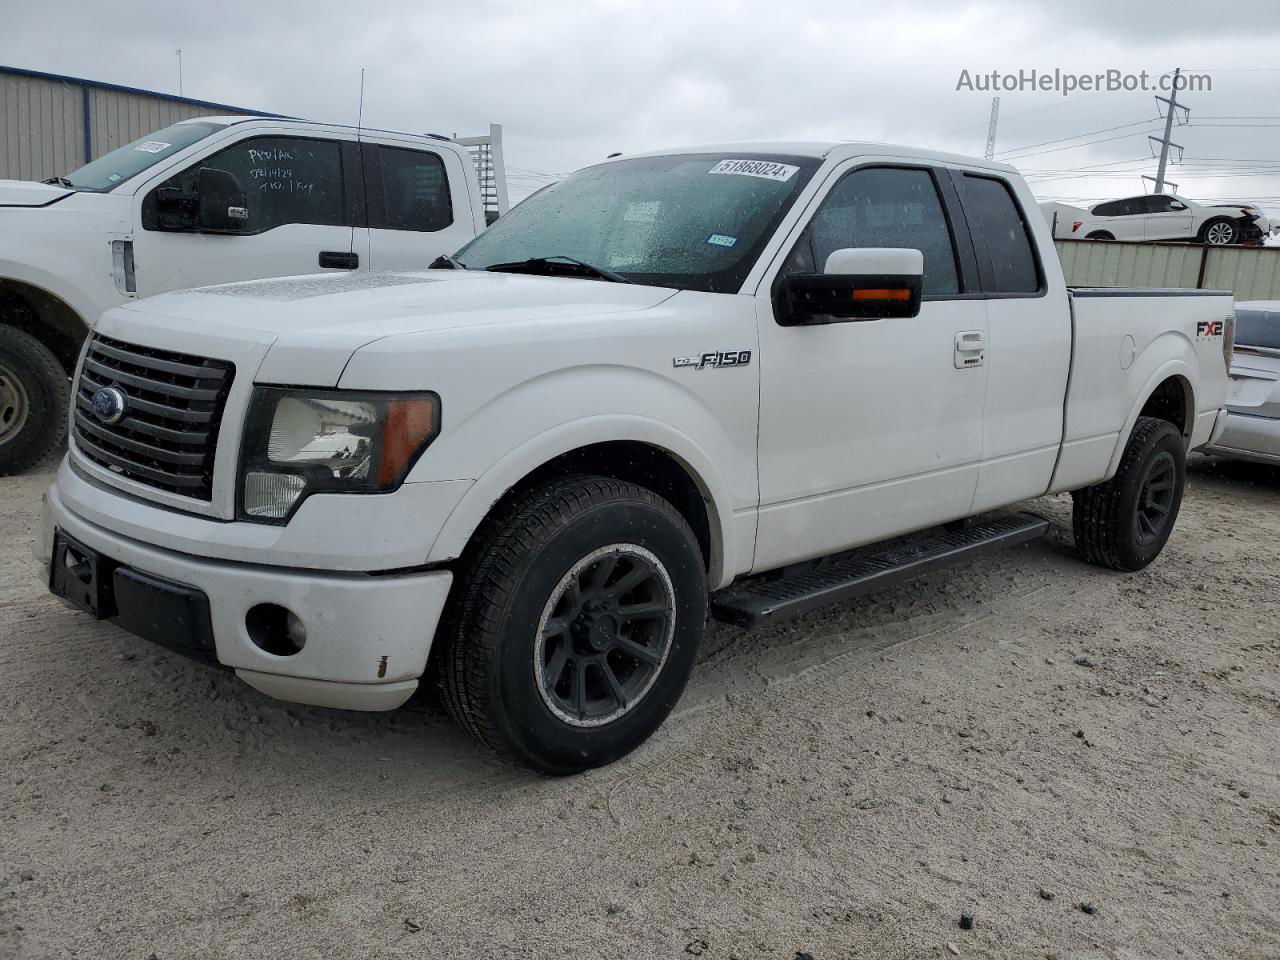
x=1251 y=273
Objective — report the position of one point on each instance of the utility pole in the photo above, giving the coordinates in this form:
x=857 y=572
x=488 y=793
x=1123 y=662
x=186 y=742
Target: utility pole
x=991 y=128
x=1165 y=142
x=179 y=71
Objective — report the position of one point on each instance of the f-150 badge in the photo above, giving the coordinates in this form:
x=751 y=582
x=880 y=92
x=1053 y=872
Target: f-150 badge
x=716 y=358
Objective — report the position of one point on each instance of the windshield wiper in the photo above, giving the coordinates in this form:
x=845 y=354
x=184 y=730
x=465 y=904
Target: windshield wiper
x=446 y=262
x=553 y=264
x=59 y=182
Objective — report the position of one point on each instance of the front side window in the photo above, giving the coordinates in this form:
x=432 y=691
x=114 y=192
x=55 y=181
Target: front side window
x=114 y=168
x=883 y=207
x=412 y=191
x=689 y=221
x=996 y=220
x=1157 y=204
x=285 y=180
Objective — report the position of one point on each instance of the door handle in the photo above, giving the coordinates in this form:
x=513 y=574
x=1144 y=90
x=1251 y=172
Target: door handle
x=339 y=259
x=970 y=347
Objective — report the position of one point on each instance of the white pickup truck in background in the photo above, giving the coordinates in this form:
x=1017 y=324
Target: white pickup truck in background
x=205 y=201
x=751 y=378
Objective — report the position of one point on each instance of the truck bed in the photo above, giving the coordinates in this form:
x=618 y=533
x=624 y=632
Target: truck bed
x=1126 y=343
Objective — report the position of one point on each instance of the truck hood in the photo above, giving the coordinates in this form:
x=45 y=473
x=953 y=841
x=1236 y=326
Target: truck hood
x=28 y=193
x=315 y=323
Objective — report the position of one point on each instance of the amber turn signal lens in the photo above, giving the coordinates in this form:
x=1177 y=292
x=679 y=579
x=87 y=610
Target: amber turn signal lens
x=882 y=294
x=407 y=426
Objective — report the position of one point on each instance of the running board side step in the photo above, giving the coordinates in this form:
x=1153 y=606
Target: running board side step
x=769 y=598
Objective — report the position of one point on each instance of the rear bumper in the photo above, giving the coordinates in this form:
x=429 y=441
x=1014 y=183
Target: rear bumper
x=1243 y=437
x=367 y=635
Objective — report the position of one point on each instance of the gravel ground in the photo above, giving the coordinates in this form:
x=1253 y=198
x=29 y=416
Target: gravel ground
x=1017 y=738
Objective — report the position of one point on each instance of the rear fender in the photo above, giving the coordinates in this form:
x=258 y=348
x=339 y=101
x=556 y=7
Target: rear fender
x=1184 y=367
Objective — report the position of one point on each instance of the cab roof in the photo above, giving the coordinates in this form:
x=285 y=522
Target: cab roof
x=831 y=149
x=249 y=118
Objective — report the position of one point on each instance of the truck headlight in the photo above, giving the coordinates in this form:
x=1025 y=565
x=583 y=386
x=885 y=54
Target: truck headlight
x=299 y=442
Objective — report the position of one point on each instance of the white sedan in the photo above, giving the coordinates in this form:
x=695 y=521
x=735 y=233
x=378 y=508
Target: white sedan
x=1253 y=396
x=1160 y=216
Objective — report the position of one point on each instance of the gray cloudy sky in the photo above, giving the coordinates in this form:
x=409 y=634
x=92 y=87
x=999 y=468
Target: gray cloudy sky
x=572 y=82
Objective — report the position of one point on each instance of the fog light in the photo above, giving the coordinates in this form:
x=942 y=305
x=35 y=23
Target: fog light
x=275 y=629
x=271 y=494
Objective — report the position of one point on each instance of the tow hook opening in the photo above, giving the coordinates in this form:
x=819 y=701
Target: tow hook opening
x=275 y=629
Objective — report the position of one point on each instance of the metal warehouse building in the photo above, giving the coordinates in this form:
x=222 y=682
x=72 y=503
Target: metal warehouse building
x=51 y=124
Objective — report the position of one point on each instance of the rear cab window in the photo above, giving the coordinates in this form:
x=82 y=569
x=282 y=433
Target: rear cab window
x=999 y=227
x=408 y=189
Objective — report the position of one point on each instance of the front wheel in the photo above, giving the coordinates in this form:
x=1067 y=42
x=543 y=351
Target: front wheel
x=1220 y=232
x=575 y=624
x=33 y=401
x=1125 y=522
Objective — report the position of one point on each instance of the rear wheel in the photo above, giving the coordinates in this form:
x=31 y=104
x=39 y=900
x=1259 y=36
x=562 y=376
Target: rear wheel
x=575 y=624
x=33 y=400
x=1220 y=232
x=1099 y=235
x=1125 y=522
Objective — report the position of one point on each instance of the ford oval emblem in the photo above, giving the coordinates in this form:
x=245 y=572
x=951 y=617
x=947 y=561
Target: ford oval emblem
x=110 y=404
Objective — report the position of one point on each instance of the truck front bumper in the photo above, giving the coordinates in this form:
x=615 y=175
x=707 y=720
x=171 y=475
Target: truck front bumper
x=367 y=635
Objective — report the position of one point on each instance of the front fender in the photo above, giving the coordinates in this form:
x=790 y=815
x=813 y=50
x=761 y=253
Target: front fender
x=56 y=285
x=564 y=438
x=516 y=395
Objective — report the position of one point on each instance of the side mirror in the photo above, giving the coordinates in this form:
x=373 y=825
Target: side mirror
x=870 y=283
x=220 y=200
x=1175 y=205
x=174 y=209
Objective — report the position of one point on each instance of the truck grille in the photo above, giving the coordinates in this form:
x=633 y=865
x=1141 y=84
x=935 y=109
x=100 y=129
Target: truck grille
x=151 y=415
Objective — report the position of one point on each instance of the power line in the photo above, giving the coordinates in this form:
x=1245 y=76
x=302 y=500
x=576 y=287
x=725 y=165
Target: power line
x=1075 y=146
x=1089 y=133
x=1023 y=113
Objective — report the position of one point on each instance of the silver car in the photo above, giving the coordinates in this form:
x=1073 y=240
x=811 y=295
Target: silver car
x=1253 y=396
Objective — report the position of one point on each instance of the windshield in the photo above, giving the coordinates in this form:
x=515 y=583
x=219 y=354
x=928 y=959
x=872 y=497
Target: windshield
x=690 y=221
x=114 y=168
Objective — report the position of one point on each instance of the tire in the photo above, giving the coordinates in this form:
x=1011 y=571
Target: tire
x=1125 y=522
x=507 y=674
x=1099 y=235
x=1220 y=232
x=33 y=401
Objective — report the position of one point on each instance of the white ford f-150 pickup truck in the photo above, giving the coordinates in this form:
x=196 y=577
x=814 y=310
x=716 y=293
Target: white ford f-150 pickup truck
x=746 y=379
x=209 y=200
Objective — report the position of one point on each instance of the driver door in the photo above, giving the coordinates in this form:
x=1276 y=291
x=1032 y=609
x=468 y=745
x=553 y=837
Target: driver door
x=299 y=198
x=1167 y=218
x=871 y=428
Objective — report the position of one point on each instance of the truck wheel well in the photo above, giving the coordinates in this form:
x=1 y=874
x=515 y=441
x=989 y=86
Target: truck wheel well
x=639 y=463
x=46 y=317
x=1171 y=401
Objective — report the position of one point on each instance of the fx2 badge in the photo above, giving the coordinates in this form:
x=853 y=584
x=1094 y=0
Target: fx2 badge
x=1209 y=328
x=715 y=358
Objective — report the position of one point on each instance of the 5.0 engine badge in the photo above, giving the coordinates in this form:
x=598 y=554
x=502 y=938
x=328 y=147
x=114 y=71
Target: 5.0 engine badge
x=715 y=358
